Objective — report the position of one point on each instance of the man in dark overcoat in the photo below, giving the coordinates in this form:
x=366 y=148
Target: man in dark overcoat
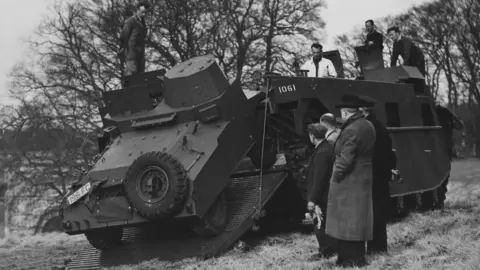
x=318 y=173
x=132 y=40
x=374 y=40
x=350 y=213
x=384 y=160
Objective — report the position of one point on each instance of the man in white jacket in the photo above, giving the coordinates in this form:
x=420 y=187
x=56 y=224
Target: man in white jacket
x=319 y=66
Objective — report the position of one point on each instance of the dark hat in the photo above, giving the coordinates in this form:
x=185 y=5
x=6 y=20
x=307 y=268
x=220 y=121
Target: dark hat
x=367 y=101
x=349 y=101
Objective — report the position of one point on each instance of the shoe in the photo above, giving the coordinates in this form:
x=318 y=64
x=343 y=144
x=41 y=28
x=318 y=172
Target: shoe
x=321 y=255
x=327 y=252
x=376 y=251
x=314 y=257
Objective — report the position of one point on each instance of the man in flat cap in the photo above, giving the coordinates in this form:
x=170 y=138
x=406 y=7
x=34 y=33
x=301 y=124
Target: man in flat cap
x=318 y=173
x=132 y=40
x=384 y=160
x=350 y=213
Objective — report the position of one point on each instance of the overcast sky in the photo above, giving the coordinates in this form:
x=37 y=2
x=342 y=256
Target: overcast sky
x=18 y=20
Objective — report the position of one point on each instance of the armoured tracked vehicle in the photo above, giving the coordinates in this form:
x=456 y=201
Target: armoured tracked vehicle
x=188 y=147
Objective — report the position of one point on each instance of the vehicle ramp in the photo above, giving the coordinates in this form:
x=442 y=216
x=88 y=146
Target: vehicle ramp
x=144 y=243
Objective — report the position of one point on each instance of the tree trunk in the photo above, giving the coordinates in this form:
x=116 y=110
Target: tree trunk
x=2 y=218
x=476 y=123
x=3 y=206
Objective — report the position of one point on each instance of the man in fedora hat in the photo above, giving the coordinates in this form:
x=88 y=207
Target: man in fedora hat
x=384 y=160
x=350 y=213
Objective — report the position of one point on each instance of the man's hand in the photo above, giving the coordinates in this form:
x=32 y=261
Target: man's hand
x=370 y=43
x=318 y=213
x=311 y=206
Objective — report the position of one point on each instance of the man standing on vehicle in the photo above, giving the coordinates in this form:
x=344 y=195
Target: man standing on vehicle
x=318 y=173
x=328 y=120
x=319 y=66
x=449 y=122
x=411 y=54
x=350 y=213
x=384 y=160
x=132 y=40
x=374 y=39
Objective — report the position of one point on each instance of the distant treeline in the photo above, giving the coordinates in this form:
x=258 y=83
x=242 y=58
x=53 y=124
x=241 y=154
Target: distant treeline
x=37 y=140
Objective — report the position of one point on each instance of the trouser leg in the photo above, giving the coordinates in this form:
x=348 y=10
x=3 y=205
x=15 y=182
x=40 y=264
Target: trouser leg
x=350 y=253
x=325 y=242
x=141 y=63
x=131 y=67
x=379 y=241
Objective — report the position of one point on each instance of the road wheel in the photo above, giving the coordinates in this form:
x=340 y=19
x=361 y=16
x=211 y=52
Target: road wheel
x=428 y=201
x=214 y=221
x=442 y=194
x=156 y=185
x=105 y=238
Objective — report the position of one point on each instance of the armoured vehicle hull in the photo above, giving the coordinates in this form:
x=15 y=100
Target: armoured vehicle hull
x=418 y=139
x=172 y=160
x=187 y=147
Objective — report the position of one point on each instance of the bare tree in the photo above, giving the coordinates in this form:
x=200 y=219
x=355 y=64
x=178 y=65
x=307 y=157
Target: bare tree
x=347 y=41
x=284 y=32
x=74 y=60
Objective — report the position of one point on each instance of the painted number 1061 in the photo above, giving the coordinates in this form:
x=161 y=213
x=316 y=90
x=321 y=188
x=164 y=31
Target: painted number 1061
x=287 y=88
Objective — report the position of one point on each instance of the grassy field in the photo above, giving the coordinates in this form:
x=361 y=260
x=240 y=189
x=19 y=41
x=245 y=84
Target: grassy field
x=39 y=251
x=447 y=239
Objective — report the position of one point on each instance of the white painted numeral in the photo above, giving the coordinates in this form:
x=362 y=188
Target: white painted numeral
x=287 y=88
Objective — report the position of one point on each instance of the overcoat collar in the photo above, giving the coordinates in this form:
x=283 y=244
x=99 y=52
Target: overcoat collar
x=350 y=120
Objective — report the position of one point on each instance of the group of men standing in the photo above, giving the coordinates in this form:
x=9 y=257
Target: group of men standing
x=348 y=182
x=348 y=174
x=412 y=55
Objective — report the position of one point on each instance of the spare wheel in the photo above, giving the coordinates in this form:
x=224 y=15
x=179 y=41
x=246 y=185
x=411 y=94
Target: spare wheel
x=156 y=185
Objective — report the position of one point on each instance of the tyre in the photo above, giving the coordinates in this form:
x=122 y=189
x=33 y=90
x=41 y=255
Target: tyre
x=269 y=156
x=54 y=224
x=156 y=185
x=105 y=238
x=215 y=220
